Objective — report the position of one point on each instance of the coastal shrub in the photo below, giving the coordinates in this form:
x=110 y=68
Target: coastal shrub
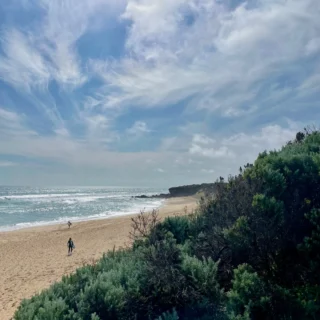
x=163 y=283
x=202 y=276
x=178 y=226
x=169 y=316
x=43 y=308
x=251 y=251
x=248 y=298
x=101 y=290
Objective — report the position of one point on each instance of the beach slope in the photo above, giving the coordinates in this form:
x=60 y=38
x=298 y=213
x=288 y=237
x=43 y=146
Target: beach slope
x=34 y=258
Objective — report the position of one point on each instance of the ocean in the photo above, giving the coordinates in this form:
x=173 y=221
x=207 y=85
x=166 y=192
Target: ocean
x=22 y=207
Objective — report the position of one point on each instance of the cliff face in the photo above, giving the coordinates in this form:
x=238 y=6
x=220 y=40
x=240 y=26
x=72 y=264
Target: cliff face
x=185 y=191
x=190 y=190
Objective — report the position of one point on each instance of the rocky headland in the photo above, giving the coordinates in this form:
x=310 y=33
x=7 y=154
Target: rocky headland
x=184 y=191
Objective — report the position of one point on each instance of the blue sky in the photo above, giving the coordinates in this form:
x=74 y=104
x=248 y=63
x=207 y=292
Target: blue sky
x=151 y=92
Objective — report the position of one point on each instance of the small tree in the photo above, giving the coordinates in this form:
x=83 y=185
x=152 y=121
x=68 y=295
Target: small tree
x=143 y=224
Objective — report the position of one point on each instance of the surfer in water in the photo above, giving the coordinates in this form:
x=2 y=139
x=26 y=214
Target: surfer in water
x=71 y=246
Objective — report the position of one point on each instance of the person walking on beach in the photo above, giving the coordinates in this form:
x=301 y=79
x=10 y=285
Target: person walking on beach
x=70 y=245
x=69 y=224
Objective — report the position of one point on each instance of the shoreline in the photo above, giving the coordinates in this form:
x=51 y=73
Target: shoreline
x=43 y=224
x=34 y=258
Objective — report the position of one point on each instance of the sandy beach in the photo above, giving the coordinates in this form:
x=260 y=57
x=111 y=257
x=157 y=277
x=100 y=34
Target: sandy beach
x=34 y=258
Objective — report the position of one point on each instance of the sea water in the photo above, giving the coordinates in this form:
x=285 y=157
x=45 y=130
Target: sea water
x=22 y=207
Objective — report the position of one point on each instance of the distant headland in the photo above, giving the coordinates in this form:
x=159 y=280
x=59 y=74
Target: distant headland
x=185 y=191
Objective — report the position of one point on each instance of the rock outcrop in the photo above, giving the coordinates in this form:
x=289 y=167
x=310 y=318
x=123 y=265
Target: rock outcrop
x=184 y=191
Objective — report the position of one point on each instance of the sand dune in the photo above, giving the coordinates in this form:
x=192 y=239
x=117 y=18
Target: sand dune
x=32 y=259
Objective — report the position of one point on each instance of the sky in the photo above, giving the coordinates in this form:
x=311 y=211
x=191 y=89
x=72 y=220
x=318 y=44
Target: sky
x=152 y=92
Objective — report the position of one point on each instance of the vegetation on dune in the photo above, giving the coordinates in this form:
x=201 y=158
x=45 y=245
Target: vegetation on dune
x=250 y=252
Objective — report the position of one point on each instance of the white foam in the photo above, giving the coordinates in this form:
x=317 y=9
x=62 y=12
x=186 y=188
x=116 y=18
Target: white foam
x=145 y=206
x=68 y=199
x=40 y=196
x=81 y=199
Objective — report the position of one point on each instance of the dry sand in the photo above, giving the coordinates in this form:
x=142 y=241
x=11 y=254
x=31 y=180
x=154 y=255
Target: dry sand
x=34 y=258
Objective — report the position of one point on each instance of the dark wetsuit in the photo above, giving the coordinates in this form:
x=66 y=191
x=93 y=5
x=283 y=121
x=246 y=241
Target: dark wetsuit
x=70 y=246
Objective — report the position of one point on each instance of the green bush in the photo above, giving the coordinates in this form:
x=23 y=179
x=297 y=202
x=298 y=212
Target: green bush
x=163 y=283
x=202 y=276
x=251 y=251
x=248 y=298
x=169 y=316
x=178 y=226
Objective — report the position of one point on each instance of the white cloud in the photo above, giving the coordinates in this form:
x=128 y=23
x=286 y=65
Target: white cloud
x=210 y=171
x=169 y=143
x=63 y=24
x=202 y=139
x=270 y=138
x=82 y=156
x=46 y=50
x=184 y=161
x=232 y=61
x=313 y=46
x=8 y=118
x=31 y=61
x=245 y=147
x=63 y=132
x=97 y=122
x=220 y=152
x=239 y=53
x=310 y=85
x=99 y=130
x=22 y=64
x=7 y=164
x=62 y=148
x=199 y=146
x=12 y=124
x=139 y=127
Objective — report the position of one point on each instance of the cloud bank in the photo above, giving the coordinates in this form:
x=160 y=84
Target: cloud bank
x=152 y=91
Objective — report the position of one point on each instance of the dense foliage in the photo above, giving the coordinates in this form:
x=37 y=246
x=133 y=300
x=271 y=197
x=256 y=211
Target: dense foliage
x=250 y=252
